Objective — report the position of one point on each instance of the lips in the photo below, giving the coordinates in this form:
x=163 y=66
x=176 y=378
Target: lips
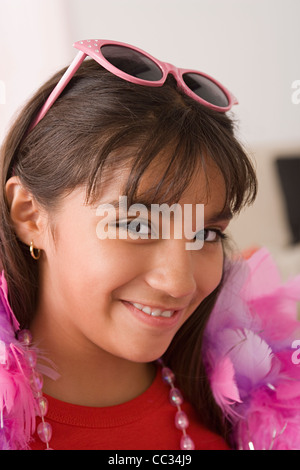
x=170 y=319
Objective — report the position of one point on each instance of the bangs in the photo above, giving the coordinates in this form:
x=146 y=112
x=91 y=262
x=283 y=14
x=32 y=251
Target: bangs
x=177 y=161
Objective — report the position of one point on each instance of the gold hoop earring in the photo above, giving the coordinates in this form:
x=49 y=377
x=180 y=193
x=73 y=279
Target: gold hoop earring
x=31 y=249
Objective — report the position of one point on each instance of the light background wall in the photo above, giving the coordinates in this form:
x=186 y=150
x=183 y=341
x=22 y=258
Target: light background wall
x=252 y=46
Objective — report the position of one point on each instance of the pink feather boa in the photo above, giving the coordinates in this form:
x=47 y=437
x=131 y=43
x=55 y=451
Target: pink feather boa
x=18 y=407
x=249 y=351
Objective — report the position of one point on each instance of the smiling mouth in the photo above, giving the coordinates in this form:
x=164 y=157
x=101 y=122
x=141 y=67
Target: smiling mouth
x=153 y=312
x=153 y=316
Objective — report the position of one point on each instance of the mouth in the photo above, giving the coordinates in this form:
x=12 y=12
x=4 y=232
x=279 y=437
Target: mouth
x=152 y=315
x=152 y=311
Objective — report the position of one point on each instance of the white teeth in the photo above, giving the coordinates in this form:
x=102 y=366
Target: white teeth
x=154 y=313
x=146 y=310
x=139 y=306
x=167 y=313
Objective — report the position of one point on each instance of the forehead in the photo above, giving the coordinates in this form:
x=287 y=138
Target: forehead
x=205 y=186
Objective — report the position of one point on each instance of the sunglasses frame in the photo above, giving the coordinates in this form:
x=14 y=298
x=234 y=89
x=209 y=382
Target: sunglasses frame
x=92 y=48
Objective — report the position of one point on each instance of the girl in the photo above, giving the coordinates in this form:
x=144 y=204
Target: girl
x=103 y=311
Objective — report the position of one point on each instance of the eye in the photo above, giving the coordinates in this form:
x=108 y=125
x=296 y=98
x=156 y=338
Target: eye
x=211 y=235
x=138 y=227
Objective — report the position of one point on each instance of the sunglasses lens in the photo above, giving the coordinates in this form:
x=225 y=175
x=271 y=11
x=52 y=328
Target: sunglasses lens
x=206 y=89
x=132 y=62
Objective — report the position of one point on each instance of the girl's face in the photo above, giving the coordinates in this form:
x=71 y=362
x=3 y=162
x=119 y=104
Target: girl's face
x=89 y=285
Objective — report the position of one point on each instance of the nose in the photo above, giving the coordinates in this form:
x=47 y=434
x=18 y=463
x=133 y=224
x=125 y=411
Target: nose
x=173 y=269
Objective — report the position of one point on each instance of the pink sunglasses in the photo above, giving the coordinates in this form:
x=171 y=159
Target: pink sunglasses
x=136 y=66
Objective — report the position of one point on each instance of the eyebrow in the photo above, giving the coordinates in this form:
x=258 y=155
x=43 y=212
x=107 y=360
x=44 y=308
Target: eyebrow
x=116 y=203
x=224 y=215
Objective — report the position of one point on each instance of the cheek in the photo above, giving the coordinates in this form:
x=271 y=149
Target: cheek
x=107 y=267
x=116 y=258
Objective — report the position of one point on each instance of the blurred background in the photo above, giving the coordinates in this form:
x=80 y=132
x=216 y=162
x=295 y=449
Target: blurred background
x=252 y=46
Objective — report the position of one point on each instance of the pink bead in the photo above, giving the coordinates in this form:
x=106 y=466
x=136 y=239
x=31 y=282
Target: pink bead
x=186 y=443
x=24 y=336
x=37 y=381
x=44 y=431
x=181 y=420
x=167 y=375
x=175 y=397
x=32 y=358
x=42 y=405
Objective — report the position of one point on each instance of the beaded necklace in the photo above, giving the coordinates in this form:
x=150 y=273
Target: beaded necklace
x=44 y=429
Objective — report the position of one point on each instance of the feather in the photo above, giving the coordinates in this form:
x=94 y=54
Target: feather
x=254 y=323
x=5 y=304
x=251 y=356
x=288 y=387
x=268 y=424
x=17 y=402
x=264 y=276
x=223 y=384
x=18 y=406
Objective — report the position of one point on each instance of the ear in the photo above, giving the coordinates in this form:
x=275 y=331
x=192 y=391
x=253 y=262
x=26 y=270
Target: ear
x=26 y=215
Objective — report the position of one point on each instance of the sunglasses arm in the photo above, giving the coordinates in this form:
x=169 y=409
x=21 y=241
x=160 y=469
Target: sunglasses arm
x=61 y=85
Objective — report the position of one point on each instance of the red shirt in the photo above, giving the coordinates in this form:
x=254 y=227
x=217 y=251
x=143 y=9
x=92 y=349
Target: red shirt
x=144 y=423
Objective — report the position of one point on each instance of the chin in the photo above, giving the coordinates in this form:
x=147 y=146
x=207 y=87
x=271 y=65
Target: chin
x=147 y=356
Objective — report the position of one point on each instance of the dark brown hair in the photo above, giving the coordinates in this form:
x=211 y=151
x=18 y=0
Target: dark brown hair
x=78 y=143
